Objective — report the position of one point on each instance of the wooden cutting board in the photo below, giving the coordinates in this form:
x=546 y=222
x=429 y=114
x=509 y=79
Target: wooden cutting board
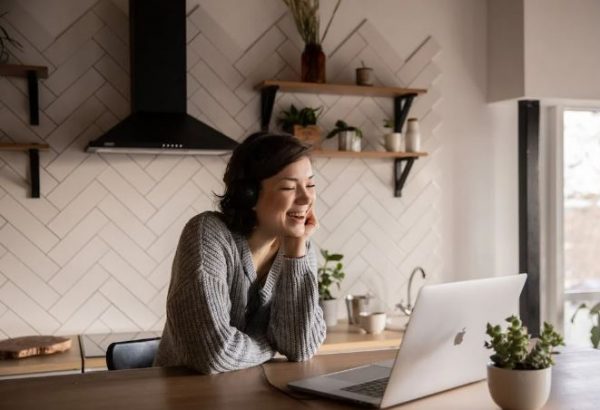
x=27 y=346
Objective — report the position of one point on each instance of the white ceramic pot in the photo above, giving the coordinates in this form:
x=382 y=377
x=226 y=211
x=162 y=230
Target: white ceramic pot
x=519 y=389
x=393 y=142
x=329 y=308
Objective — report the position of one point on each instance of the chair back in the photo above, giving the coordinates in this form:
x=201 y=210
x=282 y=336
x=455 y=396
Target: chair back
x=131 y=354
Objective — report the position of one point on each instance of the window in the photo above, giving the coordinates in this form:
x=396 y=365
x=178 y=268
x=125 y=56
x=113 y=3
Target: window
x=581 y=220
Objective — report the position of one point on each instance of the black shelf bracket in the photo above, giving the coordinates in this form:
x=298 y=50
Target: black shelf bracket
x=34 y=105
x=267 y=101
x=400 y=174
x=402 y=105
x=34 y=170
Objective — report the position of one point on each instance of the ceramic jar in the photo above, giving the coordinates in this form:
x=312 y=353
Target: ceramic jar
x=412 y=135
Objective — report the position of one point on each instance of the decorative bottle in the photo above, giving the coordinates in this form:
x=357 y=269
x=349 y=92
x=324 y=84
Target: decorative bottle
x=313 y=64
x=412 y=135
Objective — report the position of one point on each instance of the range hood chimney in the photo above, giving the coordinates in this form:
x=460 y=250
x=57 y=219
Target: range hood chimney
x=159 y=123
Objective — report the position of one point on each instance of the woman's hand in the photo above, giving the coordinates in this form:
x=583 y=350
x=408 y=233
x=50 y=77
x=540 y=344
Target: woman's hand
x=295 y=246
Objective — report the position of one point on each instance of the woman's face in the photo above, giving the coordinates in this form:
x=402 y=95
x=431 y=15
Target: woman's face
x=285 y=199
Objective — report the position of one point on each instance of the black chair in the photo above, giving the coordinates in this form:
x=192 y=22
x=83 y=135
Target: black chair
x=131 y=354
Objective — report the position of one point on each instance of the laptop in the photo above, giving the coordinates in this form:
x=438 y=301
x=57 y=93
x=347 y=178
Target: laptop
x=442 y=347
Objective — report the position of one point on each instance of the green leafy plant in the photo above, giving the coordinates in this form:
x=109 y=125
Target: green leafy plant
x=330 y=275
x=5 y=41
x=306 y=17
x=341 y=126
x=595 y=314
x=303 y=117
x=513 y=347
x=388 y=123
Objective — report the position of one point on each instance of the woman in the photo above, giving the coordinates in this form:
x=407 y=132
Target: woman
x=244 y=283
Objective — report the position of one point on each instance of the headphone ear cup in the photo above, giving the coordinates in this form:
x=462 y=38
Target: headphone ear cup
x=247 y=195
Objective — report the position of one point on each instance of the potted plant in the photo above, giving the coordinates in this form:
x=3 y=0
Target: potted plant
x=519 y=376
x=595 y=314
x=327 y=276
x=392 y=139
x=349 y=136
x=5 y=41
x=301 y=123
x=306 y=16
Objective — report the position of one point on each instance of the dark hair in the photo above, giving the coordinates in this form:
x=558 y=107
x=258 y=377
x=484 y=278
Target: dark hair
x=259 y=157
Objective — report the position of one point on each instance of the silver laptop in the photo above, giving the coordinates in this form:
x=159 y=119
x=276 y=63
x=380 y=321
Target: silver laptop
x=442 y=347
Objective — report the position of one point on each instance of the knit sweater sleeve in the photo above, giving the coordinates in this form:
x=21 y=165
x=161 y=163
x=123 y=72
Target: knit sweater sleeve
x=297 y=327
x=198 y=306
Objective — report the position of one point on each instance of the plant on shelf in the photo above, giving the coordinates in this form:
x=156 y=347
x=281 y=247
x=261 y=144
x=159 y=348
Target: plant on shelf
x=349 y=138
x=329 y=274
x=520 y=373
x=306 y=17
x=301 y=123
x=595 y=315
x=5 y=41
x=392 y=141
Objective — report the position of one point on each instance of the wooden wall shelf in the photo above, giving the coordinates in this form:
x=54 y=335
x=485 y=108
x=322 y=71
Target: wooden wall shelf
x=32 y=73
x=403 y=162
x=34 y=161
x=339 y=89
x=366 y=154
x=403 y=98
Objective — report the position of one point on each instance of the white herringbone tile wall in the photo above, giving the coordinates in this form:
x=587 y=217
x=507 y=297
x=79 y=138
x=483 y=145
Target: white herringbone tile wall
x=93 y=254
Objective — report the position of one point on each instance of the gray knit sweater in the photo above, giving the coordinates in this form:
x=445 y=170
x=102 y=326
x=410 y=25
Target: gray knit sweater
x=219 y=318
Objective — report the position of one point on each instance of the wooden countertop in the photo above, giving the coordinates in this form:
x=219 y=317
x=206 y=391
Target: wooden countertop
x=342 y=338
x=575 y=381
x=60 y=363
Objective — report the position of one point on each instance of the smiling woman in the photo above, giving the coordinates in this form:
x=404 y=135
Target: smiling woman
x=244 y=284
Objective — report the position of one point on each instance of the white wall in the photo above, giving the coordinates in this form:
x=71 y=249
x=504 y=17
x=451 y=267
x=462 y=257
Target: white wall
x=93 y=254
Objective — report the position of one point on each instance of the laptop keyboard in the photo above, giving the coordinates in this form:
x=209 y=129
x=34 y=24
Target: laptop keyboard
x=374 y=388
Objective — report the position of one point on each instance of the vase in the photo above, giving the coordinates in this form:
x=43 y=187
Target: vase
x=313 y=64
x=412 y=135
x=519 y=389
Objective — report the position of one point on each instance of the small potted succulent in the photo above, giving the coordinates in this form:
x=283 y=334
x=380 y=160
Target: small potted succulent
x=350 y=137
x=519 y=376
x=302 y=123
x=5 y=41
x=595 y=315
x=329 y=275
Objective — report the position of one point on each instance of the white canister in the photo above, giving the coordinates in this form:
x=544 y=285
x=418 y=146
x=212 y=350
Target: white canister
x=412 y=135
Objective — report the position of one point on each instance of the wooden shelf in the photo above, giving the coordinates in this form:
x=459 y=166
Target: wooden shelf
x=34 y=161
x=403 y=98
x=18 y=70
x=31 y=73
x=366 y=154
x=23 y=147
x=339 y=89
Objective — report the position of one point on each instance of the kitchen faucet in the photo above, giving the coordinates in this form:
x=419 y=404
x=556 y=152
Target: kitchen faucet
x=407 y=310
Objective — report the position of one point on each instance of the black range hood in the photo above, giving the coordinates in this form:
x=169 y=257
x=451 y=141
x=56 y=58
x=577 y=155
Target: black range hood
x=159 y=123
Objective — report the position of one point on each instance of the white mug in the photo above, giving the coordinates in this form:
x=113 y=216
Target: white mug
x=372 y=322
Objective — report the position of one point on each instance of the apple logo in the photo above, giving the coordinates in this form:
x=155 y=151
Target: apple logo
x=458 y=339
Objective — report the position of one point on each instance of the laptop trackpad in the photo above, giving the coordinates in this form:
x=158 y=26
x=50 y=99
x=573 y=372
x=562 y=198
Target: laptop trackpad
x=362 y=374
